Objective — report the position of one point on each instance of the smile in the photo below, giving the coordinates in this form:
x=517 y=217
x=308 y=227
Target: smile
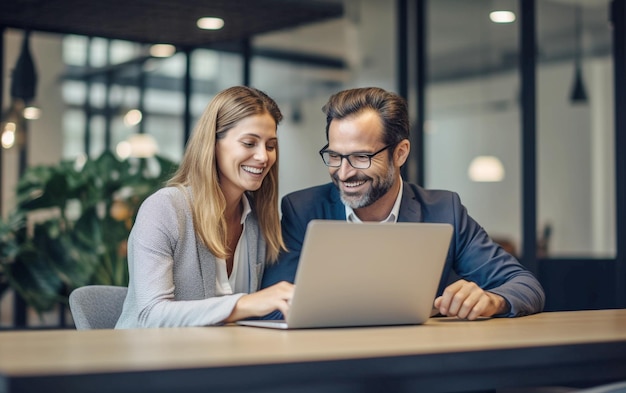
x=250 y=169
x=354 y=183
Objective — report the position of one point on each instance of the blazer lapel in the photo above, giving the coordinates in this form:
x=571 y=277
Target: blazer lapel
x=255 y=266
x=207 y=270
x=410 y=207
x=337 y=210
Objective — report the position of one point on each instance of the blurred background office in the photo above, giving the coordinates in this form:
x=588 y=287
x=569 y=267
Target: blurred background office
x=530 y=139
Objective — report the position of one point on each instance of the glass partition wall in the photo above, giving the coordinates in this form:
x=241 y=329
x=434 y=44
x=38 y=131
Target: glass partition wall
x=112 y=80
x=472 y=131
x=474 y=140
x=473 y=128
x=575 y=130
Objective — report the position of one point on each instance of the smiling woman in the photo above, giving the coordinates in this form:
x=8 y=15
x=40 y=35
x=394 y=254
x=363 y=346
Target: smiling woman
x=199 y=246
x=245 y=154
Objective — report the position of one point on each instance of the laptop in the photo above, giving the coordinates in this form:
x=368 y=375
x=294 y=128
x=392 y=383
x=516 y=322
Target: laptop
x=365 y=274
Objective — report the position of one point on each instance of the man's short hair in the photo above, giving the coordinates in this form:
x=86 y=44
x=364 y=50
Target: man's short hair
x=391 y=108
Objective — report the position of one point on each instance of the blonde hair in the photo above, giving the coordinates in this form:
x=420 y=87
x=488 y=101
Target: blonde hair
x=198 y=169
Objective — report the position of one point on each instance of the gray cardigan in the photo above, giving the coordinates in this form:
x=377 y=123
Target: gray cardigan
x=172 y=274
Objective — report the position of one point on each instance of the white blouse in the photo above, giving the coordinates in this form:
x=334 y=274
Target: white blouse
x=239 y=280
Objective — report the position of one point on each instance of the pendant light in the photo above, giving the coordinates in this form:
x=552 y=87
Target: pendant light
x=24 y=76
x=23 y=88
x=578 y=94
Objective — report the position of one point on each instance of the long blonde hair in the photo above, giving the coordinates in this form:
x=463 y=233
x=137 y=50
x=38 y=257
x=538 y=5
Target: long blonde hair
x=198 y=170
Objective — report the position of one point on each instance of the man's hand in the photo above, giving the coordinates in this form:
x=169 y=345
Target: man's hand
x=257 y=304
x=466 y=300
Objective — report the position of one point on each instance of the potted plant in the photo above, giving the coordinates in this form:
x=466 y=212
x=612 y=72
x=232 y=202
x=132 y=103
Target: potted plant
x=71 y=223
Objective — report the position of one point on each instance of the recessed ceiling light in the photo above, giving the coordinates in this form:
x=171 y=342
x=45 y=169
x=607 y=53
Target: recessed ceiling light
x=210 y=23
x=502 y=16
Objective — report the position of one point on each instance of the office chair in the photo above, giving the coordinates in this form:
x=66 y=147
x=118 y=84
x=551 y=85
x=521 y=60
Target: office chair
x=97 y=306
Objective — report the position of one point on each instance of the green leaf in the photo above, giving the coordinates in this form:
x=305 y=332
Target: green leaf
x=35 y=280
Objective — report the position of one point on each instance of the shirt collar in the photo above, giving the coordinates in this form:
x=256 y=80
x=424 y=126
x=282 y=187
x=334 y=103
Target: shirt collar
x=246 y=208
x=392 y=217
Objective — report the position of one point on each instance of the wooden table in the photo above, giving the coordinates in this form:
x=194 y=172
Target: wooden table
x=581 y=347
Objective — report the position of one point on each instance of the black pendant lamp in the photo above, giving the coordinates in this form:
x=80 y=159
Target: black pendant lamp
x=578 y=94
x=24 y=76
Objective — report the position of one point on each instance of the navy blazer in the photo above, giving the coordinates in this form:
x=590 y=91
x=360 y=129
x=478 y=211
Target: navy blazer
x=472 y=254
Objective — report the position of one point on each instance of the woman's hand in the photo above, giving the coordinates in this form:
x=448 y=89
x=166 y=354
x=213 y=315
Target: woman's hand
x=257 y=304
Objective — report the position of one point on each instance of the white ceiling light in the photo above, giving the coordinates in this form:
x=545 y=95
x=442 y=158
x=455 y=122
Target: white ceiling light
x=502 y=16
x=210 y=23
x=486 y=169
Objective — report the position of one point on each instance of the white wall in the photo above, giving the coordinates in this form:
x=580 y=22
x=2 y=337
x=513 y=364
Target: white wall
x=471 y=118
x=603 y=208
x=300 y=164
x=576 y=161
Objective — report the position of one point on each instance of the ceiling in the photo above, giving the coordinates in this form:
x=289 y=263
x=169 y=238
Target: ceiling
x=463 y=42
x=164 y=21
x=460 y=40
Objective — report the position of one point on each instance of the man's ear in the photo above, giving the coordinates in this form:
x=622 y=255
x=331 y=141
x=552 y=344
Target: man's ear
x=401 y=152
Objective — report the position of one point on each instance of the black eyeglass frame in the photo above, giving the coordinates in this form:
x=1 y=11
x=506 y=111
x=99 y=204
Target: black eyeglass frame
x=347 y=156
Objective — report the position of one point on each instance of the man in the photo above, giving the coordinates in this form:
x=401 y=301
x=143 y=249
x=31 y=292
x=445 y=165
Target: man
x=367 y=130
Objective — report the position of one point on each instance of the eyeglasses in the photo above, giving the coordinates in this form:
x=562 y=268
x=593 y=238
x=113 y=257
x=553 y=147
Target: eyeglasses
x=356 y=160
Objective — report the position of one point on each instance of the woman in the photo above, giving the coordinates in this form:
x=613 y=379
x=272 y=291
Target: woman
x=198 y=248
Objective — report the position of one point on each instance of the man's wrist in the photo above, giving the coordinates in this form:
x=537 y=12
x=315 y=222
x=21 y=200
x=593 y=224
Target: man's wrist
x=501 y=305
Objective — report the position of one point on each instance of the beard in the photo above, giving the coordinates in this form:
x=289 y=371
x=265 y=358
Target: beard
x=378 y=187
